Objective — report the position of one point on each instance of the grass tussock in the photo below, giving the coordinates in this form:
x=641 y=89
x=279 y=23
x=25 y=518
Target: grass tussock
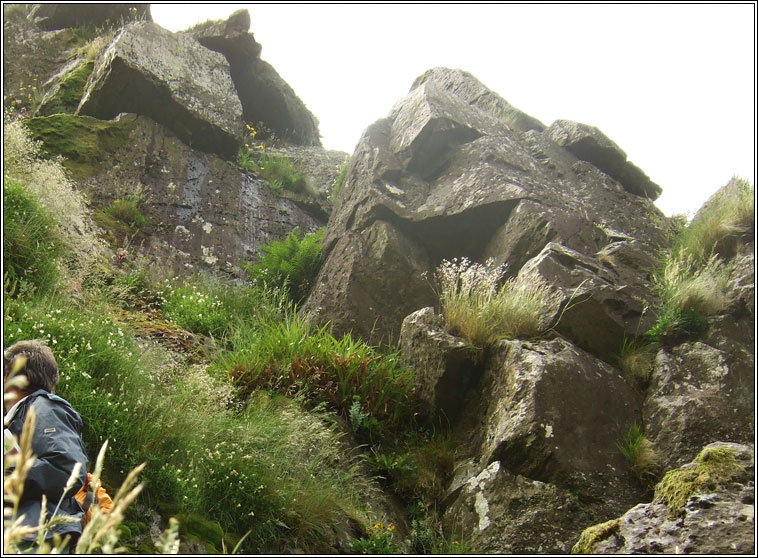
x=476 y=308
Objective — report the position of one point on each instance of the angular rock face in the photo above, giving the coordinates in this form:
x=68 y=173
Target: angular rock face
x=266 y=98
x=452 y=173
x=590 y=144
x=699 y=394
x=503 y=513
x=598 y=308
x=201 y=211
x=60 y=16
x=445 y=364
x=714 y=521
x=170 y=78
x=555 y=414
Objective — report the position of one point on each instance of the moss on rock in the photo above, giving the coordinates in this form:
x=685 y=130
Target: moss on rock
x=81 y=140
x=593 y=534
x=713 y=468
x=208 y=533
x=70 y=90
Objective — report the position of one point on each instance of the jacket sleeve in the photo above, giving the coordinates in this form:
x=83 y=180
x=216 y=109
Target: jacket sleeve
x=58 y=445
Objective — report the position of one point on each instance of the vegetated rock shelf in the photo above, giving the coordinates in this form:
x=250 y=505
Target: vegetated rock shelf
x=560 y=440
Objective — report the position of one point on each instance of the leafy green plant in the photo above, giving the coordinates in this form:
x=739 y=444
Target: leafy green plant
x=379 y=540
x=31 y=244
x=678 y=325
x=290 y=264
x=479 y=310
x=340 y=180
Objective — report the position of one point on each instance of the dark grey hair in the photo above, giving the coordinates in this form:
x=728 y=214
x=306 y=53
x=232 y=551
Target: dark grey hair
x=40 y=369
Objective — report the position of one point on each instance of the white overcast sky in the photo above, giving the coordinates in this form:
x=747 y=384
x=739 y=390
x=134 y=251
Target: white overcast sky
x=672 y=85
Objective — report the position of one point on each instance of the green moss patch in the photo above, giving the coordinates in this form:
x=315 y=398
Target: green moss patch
x=82 y=140
x=209 y=533
x=70 y=90
x=713 y=468
x=594 y=534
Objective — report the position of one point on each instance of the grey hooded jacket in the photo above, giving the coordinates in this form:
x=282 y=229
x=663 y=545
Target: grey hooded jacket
x=58 y=445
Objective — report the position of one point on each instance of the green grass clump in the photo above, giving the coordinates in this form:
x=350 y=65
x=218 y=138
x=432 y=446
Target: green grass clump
x=713 y=468
x=476 y=309
x=205 y=305
x=339 y=181
x=291 y=264
x=636 y=360
x=278 y=171
x=640 y=453
x=31 y=244
x=127 y=212
x=717 y=228
x=293 y=356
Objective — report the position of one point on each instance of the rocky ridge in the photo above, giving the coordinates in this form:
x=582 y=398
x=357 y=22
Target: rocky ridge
x=453 y=171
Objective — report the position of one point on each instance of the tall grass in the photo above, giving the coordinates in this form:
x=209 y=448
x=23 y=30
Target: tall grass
x=729 y=215
x=476 y=308
x=692 y=280
x=31 y=243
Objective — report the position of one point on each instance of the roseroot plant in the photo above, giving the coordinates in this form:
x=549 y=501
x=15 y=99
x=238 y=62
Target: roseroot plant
x=477 y=307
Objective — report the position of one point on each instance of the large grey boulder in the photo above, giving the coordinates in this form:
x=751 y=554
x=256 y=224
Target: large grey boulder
x=554 y=413
x=446 y=366
x=599 y=305
x=717 y=518
x=169 y=77
x=502 y=513
x=267 y=100
x=699 y=393
x=538 y=448
x=451 y=172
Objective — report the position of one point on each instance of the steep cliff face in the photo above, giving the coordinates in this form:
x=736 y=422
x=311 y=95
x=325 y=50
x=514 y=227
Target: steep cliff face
x=159 y=117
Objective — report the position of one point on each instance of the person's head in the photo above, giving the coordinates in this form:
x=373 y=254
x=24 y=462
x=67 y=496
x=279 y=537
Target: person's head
x=40 y=368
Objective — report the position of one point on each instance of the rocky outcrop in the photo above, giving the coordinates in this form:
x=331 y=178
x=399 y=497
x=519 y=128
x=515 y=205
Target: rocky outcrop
x=454 y=170
x=173 y=80
x=446 y=366
x=60 y=16
x=717 y=518
x=201 y=211
x=591 y=145
x=267 y=100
